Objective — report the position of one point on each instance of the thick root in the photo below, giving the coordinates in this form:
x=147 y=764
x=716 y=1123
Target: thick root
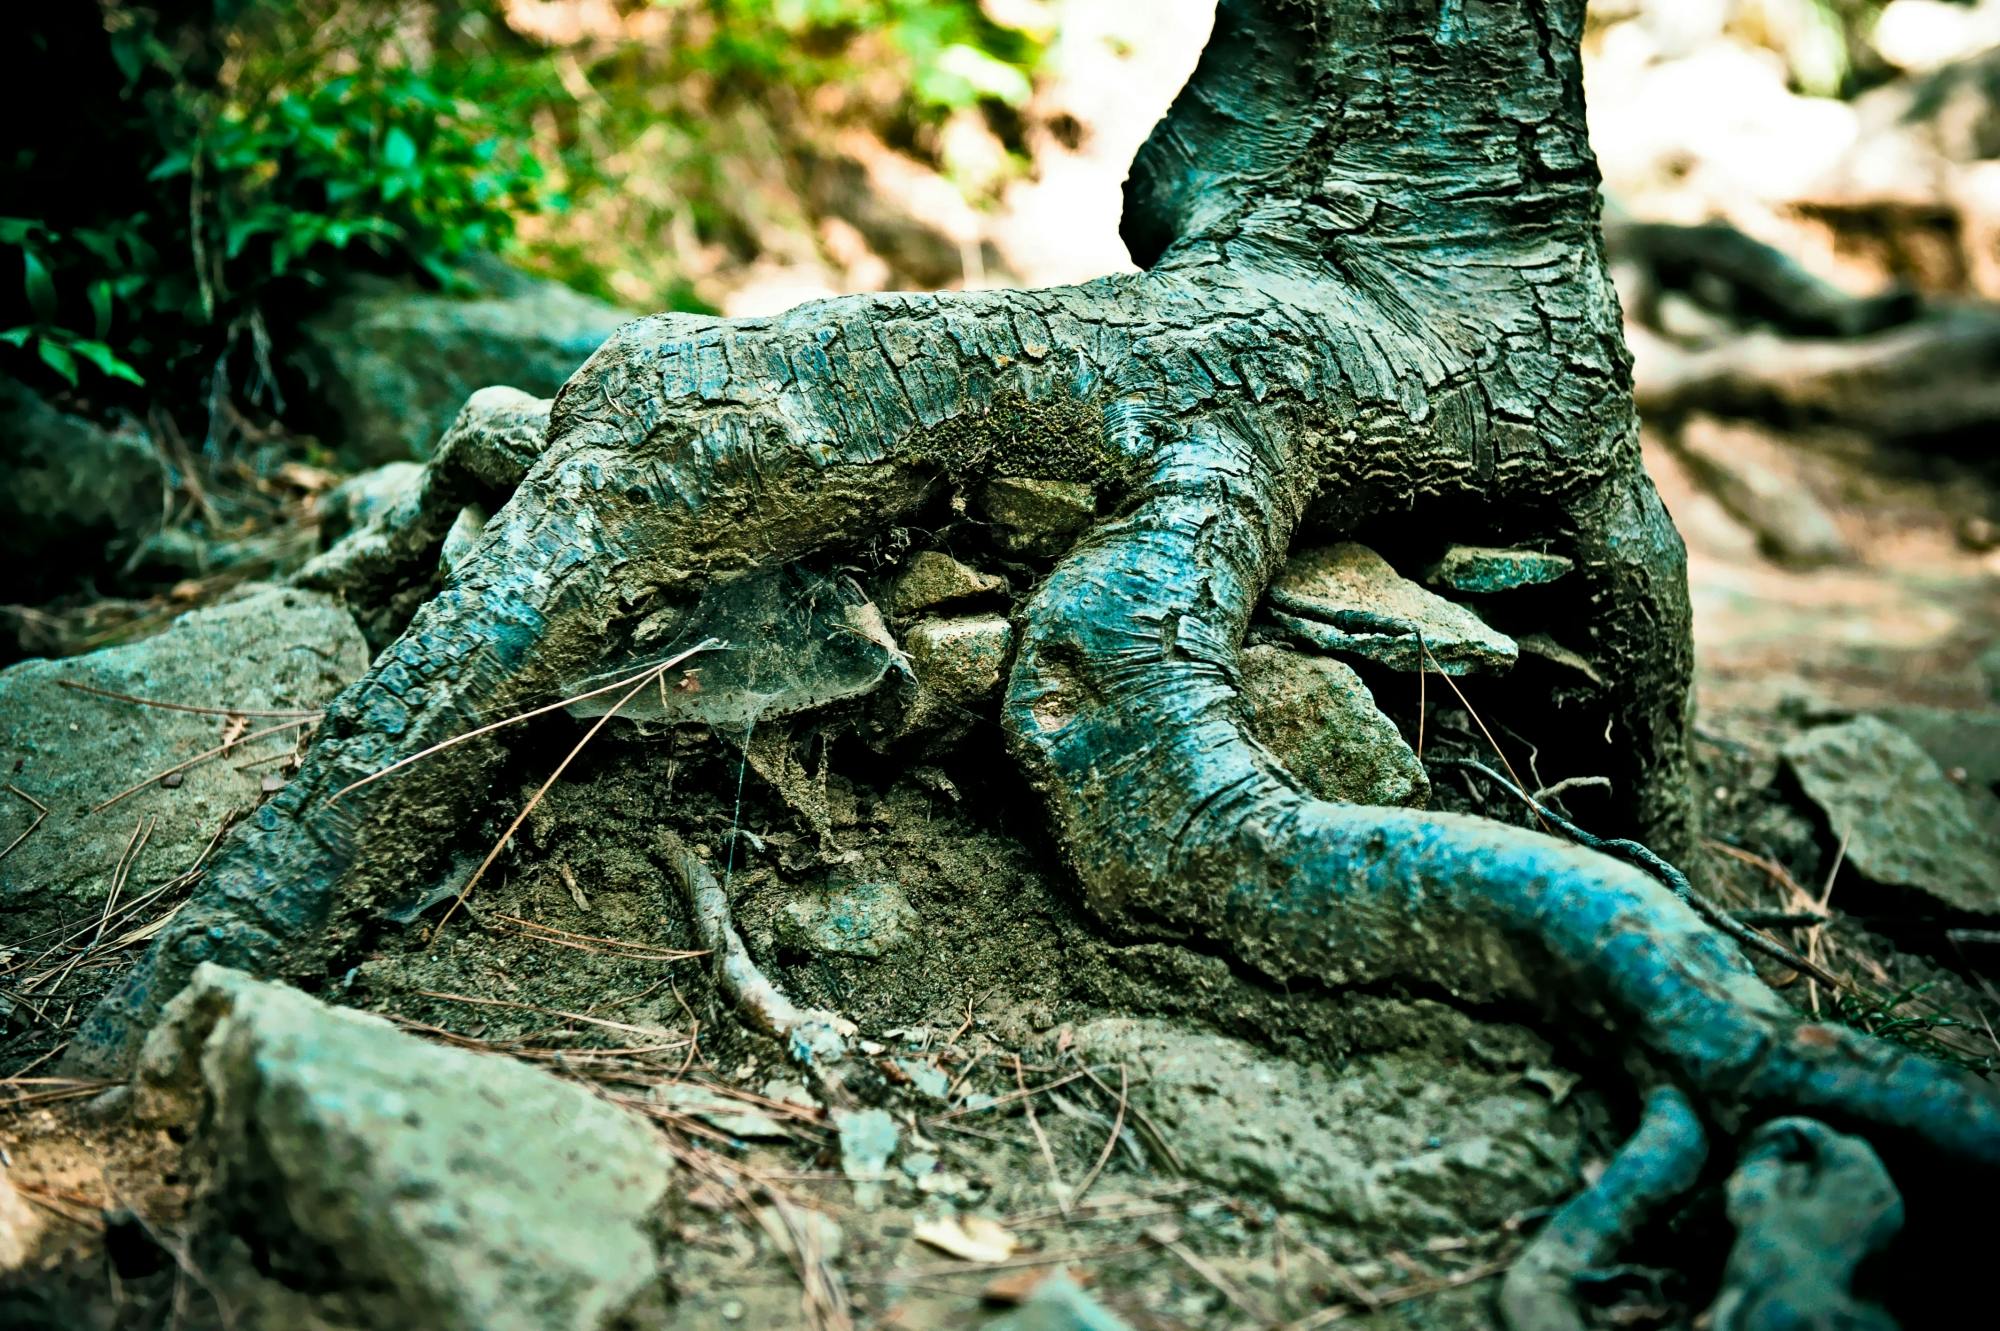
x=1172 y=813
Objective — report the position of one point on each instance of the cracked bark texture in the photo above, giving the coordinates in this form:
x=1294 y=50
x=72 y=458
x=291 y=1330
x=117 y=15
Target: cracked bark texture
x=1374 y=288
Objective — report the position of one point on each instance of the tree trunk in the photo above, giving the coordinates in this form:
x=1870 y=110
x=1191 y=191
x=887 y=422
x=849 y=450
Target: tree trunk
x=1374 y=289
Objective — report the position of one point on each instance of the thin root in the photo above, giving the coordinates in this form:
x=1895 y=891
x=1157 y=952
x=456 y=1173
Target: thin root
x=1659 y=1164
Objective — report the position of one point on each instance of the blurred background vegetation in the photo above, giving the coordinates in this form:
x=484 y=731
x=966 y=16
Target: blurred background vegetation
x=217 y=163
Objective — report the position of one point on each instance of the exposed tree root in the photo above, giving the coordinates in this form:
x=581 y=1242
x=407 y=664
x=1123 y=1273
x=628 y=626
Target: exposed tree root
x=1758 y=281
x=1928 y=379
x=1654 y=1169
x=810 y=1033
x=1354 y=311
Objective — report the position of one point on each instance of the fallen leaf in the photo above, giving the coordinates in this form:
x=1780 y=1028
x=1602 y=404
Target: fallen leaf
x=1014 y=1287
x=969 y=1238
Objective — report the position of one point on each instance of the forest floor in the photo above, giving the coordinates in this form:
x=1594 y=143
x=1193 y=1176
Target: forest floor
x=1193 y=1147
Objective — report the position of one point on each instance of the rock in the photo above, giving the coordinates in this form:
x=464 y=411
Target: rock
x=1058 y=1303
x=366 y=496
x=78 y=498
x=267 y=648
x=933 y=578
x=1035 y=517
x=1346 y=598
x=957 y=665
x=855 y=920
x=392 y=364
x=440 y=1187
x=1960 y=741
x=21 y=1227
x=1792 y=526
x=1485 y=569
x=1811 y=1208
x=1395 y=1148
x=1318 y=719
x=1542 y=647
x=926 y=1079
x=466 y=529
x=1904 y=822
x=867 y=1140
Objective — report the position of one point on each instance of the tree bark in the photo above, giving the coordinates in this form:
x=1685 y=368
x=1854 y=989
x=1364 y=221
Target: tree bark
x=1375 y=287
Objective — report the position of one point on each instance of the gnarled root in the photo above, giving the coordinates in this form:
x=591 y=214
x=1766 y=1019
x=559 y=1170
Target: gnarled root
x=1655 y=1168
x=812 y=1035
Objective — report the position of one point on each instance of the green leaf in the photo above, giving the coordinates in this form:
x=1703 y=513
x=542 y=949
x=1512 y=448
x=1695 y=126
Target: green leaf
x=40 y=286
x=57 y=358
x=100 y=306
x=399 y=150
x=18 y=336
x=107 y=362
x=173 y=164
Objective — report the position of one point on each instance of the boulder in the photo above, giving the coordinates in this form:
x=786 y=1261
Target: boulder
x=1318 y=719
x=392 y=364
x=1904 y=822
x=1395 y=1148
x=1347 y=599
x=431 y=1186
x=78 y=497
x=268 y=648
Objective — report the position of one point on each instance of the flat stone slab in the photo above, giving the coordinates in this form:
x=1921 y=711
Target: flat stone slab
x=1905 y=823
x=267 y=649
x=1036 y=517
x=1346 y=598
x=1486 y=569
x=434 y=1186
x=1317 y=718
